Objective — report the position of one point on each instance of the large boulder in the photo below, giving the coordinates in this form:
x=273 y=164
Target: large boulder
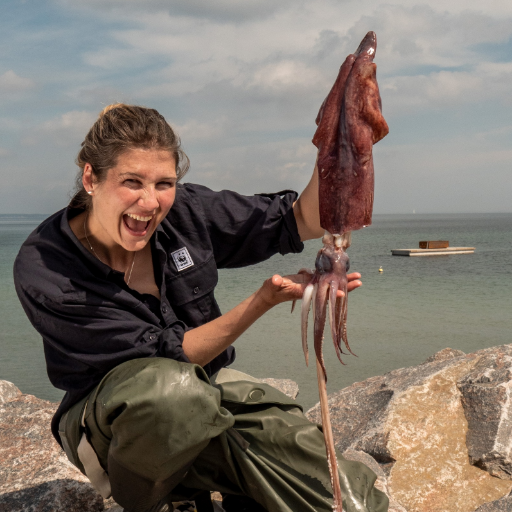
x=486 y=398
x=415 y=423
x=35 y=474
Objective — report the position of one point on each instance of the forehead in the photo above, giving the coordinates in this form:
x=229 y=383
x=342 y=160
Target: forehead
x=146 y=162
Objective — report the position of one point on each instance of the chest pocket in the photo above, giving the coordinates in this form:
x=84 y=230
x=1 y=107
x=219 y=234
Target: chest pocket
x=190 y=293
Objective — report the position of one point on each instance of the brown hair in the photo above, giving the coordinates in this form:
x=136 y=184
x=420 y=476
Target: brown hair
x=120 y=128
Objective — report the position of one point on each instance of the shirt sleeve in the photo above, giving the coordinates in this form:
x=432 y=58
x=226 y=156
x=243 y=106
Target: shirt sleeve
x=86 y=335
x=248 y=229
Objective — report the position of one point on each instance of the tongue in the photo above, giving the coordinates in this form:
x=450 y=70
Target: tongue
x=135 y=225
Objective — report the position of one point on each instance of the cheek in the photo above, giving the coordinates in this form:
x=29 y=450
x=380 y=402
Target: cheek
x=167 y=198
x=122 y=198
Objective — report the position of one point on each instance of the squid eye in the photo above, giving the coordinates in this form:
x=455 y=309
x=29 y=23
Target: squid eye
x=348 y=265
x=323 y=264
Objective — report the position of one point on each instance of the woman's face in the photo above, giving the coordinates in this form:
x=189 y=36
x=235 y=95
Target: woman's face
x=136 y=195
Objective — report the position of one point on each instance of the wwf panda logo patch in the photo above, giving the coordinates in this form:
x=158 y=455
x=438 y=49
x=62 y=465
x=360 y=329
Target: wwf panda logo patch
x=182 y=259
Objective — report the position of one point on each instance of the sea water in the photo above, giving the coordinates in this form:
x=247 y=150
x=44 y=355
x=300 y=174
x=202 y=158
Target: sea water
x=399 y=317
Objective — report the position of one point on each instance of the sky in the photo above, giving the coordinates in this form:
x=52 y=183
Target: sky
x=242 y=81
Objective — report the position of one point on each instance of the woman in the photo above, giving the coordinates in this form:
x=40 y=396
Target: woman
x=120 y=286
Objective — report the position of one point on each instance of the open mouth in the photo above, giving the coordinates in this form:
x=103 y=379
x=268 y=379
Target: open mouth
x=137 y=225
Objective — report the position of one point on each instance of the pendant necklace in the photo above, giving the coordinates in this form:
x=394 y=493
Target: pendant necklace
x=96 y=254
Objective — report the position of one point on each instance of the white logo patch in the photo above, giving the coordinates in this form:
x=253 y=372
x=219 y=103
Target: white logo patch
x=182 y=259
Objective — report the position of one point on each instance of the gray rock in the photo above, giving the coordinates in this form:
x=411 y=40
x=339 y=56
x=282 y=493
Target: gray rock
x=444 y=355
x=35 y=474
x=486 y=398
x=503 y=505
x=286 y=386
x=412 y=422
x=8 y=391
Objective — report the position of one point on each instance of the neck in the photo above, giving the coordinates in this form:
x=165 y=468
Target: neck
x=107 y=251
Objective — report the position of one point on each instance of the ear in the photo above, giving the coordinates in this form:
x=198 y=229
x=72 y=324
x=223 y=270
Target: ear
x=87 y=178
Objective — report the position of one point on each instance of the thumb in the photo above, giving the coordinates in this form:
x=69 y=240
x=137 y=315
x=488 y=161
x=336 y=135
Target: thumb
x=277 y=280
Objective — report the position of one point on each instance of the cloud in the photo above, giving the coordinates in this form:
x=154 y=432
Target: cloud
x=223 y=11
x=487 y=82
x=243 y=81
x=10 y=82
x=68 y=129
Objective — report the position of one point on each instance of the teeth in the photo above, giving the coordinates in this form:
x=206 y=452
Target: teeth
x=138 y=217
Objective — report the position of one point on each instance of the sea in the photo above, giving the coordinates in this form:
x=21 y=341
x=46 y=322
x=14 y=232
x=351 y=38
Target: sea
x=415 y=307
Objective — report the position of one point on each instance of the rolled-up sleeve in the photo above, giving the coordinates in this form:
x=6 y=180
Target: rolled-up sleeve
x=248 y=229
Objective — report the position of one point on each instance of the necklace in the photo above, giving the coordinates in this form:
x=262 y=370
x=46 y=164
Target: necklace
x=96 y=254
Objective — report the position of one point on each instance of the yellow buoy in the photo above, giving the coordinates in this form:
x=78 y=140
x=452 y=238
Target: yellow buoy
x=380 y=269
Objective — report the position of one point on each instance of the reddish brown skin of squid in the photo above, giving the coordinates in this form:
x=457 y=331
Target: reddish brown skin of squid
x=331 y=275
x=349 y=123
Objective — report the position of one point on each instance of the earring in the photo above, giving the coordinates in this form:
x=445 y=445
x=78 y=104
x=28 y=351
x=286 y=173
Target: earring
x=89 y=192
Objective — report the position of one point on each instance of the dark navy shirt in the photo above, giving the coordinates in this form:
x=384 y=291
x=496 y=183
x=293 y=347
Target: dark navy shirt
x=91 y=321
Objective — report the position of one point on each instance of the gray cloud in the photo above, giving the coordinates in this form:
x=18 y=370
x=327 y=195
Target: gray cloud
x=223 y=11
x=11 y=83
x=242 y=82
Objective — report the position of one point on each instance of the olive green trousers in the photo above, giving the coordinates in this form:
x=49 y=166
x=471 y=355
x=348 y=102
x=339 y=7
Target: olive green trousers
x=160 y=429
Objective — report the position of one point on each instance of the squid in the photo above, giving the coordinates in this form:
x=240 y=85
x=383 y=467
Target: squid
x=349 y=122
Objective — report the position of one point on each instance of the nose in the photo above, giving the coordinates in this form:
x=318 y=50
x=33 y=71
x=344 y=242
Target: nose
x=148 y=199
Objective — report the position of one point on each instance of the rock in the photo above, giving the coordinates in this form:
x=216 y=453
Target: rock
x=8 y=391
x=412 y=422
x=486 y=398
x=444 y=355
x=503 y=505
x=34 y=471
x=286 y=386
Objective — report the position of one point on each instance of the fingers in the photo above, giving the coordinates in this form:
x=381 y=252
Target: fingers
x=352 y=285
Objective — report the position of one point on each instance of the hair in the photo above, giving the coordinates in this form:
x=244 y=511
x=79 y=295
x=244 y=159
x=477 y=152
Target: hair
x=120 y=128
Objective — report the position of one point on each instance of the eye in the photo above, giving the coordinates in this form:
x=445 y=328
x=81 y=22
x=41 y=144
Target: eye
x=165 y=185
x=132 y=183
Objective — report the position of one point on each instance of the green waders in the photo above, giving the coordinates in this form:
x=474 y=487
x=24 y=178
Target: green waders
x=159 y=428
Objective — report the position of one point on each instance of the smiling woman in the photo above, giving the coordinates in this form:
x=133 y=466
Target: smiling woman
x=120 y=284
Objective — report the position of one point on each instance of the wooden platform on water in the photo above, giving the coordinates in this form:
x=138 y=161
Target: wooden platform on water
x=433 y=252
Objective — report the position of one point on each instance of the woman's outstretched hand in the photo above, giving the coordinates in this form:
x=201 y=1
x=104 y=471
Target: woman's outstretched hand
x=279 y=289
x=207 y=341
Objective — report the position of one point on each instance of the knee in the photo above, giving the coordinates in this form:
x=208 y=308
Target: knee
x=160 y=395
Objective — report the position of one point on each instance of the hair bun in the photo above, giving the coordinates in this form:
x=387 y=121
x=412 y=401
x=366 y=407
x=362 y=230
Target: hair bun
x=108 y=108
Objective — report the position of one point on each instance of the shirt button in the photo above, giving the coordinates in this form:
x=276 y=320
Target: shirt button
x=196 y=290
x=164 y=309
x=152 y=337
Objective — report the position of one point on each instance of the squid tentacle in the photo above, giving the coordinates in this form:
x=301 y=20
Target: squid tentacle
x=306 y=304
x=333 y=306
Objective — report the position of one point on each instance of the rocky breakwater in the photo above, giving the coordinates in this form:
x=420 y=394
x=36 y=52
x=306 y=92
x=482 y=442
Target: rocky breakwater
x=35 y=474
x=438 y=435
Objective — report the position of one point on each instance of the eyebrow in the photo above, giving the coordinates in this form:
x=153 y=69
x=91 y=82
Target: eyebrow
x=135 y=175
